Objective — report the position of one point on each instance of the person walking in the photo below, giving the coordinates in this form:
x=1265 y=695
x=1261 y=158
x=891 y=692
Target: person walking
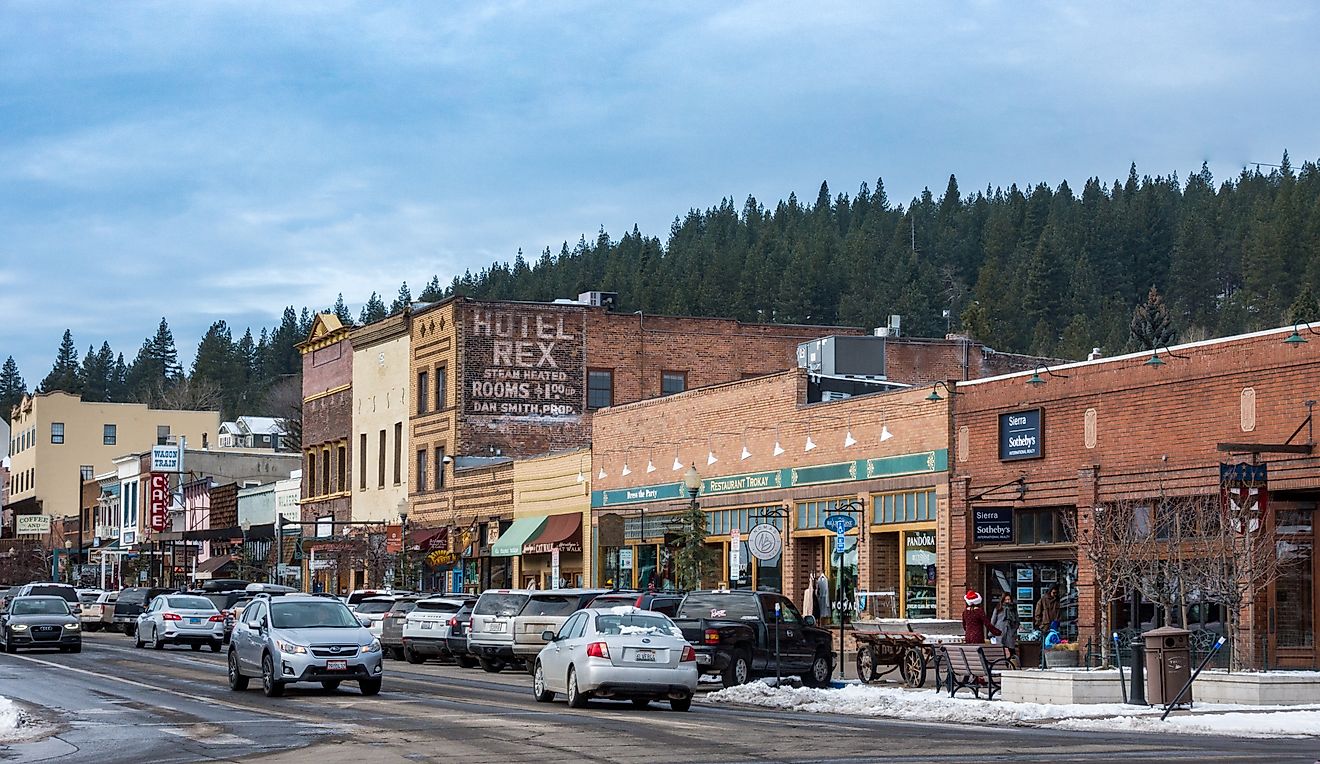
x=1047 y=610
x=1005 y=618
x=975 y=622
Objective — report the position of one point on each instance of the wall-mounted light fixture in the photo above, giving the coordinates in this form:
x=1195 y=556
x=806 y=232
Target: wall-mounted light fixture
x=1296 y=337
x=1037 y=380
x=935 y=392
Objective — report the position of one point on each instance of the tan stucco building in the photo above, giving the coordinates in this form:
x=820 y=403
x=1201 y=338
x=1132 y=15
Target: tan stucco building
x=552 y=499
x=58 y=439
x=381 y=360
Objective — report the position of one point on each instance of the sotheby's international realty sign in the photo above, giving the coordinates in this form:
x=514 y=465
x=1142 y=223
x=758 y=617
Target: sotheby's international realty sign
x=1021 y=435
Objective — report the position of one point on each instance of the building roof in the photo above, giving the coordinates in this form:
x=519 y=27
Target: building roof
x=261 y=425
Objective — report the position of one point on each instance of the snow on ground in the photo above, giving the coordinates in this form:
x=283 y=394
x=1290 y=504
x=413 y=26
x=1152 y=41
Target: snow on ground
x=931 y=706
x=8 y=718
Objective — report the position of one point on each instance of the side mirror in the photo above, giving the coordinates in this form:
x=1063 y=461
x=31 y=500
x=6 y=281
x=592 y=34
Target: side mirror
x=364 y=621
x=809 y=620
x=548 y=635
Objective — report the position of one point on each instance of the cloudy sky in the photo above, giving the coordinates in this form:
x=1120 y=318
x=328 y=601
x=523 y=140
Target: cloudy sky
x=209 y=160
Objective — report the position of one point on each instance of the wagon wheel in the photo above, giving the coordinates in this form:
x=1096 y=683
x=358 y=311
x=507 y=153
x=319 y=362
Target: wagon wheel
x=866 y=663
x=913 y=667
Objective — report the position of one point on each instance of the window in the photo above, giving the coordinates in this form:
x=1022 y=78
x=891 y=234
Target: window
x=421 y=469
x=423 y=391
x=109 y=434
x=440 y=467
x=910 y=507
x=600 y=388
x=341 y=479
x=311 y=474
x=672 y=382
x=86 y=471
x=1040 y=526
x=440 y=388
x=362 y=462
x=162 y=434
x=56 y=432
x=380 y=456
x=810 y=514
x=325 y=472
x=398 y=455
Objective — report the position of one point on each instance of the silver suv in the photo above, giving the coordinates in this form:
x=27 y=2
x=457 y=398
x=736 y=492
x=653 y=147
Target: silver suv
x=507 y=624
x=302 y=638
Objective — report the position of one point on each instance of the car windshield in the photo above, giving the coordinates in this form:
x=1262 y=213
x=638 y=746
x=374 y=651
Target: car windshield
x=39 y=606
x=547 y=604
x=312 y=615
x=610 y=600
x=189 y=603
x=88 y=598
x=733 y=607
x=375 y=607
x=67 y=593
x=500 y=604
x=636 y=623
x=437 y=607
x=131 y=596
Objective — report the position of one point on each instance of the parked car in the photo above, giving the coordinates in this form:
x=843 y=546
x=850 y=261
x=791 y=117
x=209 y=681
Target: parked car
x=391 y=626
x=225 y=602
x=224 y=585
x=355 y=597
x=132 y=601
x=426 y=628
x=620 y=653
x=40 y=621
x=303 y=638
x=507 y=624
x=659 y=602
x=66 y=592
x=373 y=610
x=733 y=632
x=457 y=641
x=88 y=596
x=181 y=619
x=94 y=615
x=7 y=594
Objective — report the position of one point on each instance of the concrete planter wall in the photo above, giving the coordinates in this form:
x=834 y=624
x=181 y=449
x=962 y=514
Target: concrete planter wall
x=1061 y=687
x=1275 y=688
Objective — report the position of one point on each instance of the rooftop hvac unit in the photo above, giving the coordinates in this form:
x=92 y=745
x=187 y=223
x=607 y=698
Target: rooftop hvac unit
x=837 y=356
x=607 y=300
x=833 y=395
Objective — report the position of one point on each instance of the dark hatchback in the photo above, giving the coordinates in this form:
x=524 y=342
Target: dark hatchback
x=40 y=622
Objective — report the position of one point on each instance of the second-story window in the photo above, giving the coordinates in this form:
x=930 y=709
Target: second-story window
x=421 y=469
x=440 y=391
x=162 y=434
x=56 y=432
x=423 y=391
x=109 y=434
x=600 y=388
x=673 y=382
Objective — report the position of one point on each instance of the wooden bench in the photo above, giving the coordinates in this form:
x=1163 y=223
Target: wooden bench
x=975 y=667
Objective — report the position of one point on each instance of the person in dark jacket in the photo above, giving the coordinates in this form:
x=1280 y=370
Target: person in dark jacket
x=975 y=621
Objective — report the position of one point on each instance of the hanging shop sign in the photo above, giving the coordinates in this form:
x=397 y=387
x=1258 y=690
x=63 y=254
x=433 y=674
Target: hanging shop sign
x=1021 y=435
x=32 y=525
x=992 y=525
x=164 y=458
x=440 y=558
x=1245 y=495
x=524 y=362
x=159 y=500
x=764 y=541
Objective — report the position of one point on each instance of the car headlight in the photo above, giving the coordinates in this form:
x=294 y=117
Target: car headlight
x=374 y=647
x=18 y=627
x=289 y=647
x=71 y=626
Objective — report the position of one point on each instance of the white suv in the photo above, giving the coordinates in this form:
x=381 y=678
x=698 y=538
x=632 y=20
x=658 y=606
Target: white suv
x=426 y=628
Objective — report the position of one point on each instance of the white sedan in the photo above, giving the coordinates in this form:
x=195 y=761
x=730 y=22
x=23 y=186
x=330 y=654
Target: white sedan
x=181 y=619
x=619 y=653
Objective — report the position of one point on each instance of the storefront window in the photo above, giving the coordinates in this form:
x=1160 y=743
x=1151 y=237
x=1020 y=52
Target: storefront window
x=770 y=574
x=919 y=574
x=609 y=569
x=842 y=571
x=1294 y=594
x=646 y=561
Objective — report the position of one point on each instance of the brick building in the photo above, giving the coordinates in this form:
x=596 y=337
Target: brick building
x=1029 y=456
x=766 y=455
x=327 y=426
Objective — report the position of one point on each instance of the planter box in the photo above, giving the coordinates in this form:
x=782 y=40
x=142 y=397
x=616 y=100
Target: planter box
x=1061 y=687
x=1271 y=688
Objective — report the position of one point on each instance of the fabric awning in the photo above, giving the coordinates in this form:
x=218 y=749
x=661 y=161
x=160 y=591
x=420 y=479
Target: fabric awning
x=212 y=565
x=562 y=532
x=510 y=542
x=428 y=539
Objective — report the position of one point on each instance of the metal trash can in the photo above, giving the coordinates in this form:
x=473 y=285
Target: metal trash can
x=1028 y=654
x=1168 y=664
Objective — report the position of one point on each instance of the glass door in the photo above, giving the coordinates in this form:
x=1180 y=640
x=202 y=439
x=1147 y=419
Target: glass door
x=1294 y=601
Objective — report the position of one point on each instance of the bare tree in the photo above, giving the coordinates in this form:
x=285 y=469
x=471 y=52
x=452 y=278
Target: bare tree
x=185 y=394
x=1111 y=536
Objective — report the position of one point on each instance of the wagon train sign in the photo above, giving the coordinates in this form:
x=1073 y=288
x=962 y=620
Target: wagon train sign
x=523 y=362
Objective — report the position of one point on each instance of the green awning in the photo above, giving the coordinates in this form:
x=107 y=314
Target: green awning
x=510 y=542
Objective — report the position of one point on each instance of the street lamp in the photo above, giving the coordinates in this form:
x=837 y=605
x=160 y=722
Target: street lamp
x=68 y=562
x=403 y=542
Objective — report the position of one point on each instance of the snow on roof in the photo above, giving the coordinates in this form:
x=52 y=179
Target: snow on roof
x=261 y=425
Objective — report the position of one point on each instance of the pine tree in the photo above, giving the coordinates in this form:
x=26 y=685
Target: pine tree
x=341 y=311
x=164 y=354
x=12 y=387
x=434 y=292
x=98 y=370
x=1304 y=308
x=402 y=301
x=65 y=374
x=119 y=380
x=1151 y=326
x=373 y=311
x=218 y=366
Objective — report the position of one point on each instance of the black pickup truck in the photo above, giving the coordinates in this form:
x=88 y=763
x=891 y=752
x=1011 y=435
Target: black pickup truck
x=733 y=634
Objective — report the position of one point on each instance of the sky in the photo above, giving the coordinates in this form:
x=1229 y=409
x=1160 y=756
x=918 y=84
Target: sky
x=224 y=159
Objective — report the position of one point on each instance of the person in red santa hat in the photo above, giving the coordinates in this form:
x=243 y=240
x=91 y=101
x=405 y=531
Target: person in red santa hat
x=975 y=620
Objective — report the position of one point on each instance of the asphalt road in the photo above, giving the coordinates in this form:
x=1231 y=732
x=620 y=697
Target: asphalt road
x=114 y=703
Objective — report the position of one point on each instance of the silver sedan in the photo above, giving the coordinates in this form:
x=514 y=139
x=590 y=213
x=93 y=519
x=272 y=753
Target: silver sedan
x=181 y=619
x=620 y=653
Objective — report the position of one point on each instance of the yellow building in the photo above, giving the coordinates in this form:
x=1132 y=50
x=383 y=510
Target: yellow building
x=57 y=440
x=381 y=370
x=551 y=507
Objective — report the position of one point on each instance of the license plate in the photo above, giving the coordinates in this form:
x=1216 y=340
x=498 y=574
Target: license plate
x=644 y=656
x=336 y=665
x=194 y=620
x=426 y=625
x=495 y=627
x=703 y=659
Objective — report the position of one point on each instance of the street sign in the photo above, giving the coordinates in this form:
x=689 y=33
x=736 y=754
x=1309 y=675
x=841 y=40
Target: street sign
x=840 y=543
x=554 y=568
x=625 y=559
x=840 y=523
x=735 y=554
x=764 y=542
x=284 y=571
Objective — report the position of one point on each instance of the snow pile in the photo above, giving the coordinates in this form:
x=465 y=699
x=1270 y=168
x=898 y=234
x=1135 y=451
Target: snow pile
x=932 y=706
x=9 y=718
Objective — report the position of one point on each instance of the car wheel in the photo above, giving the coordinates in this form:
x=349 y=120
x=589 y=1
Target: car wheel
x=137 y=640
x=492 y=666
x=466 y=661
x=75 y=649
x=10 y=648
x=331 y=684
x=819 y=674
x=369 y=686
x=576 y=698
x=237 y=681
x=641 y=702
x=156 y=642
x=196 y=647
x=130 y=629
x=269 y=684
x=412 y=657
x=539 y=690
x=739 y=670
x=680 y=704
x=215 y=647
x=397 y=653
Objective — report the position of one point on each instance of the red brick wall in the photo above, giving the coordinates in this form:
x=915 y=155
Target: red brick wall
x=924 y=361
x=327 y=368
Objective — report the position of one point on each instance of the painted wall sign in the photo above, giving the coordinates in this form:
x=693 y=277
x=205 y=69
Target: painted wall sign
x=523 y=362
x=638 y=495
x=1021 y=435
x=158 y=496
x=992 y=525
x=752 y=481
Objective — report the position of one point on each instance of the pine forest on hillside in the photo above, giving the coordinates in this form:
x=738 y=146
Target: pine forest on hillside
x=1051 y=271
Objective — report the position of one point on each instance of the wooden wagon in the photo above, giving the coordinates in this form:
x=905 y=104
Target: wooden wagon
x=880 y=653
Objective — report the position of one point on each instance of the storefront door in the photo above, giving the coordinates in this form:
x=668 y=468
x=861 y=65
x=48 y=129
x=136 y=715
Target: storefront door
x=1294 y=601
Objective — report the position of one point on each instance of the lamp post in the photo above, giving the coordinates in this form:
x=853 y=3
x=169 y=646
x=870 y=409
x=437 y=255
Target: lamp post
x=695 y=528
x=403 y=542
x=68 y=562
x=245 y=525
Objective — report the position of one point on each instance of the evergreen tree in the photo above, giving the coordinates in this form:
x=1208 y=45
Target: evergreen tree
x=373 y=311
x=12 y=387
x=218 y=366
x=1304 y=308
x=163 y=353
x=98 y=374
x=434 y=292
x=1151 y=326
x=119 y=380
x=65 y=374
x=341 y=311
x=403 y=300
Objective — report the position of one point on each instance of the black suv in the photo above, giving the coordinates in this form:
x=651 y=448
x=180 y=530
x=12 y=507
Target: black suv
x=659 y=602
x=733 y=634
x=132 y=601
